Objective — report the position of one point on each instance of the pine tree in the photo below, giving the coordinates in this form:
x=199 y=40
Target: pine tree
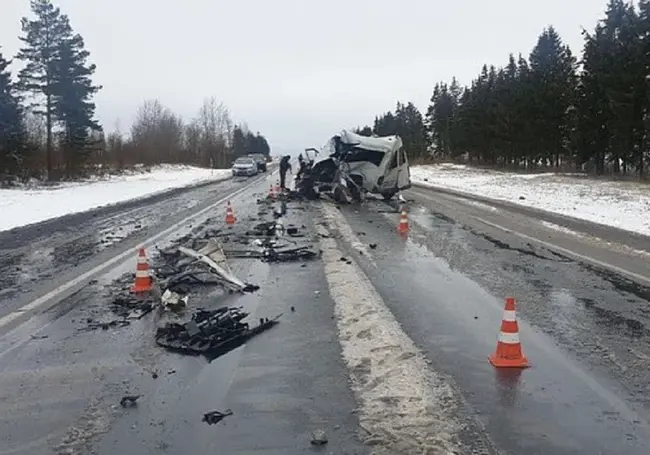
x=12 y=138
x=385 y=124
x=553 y=80
x=239 y=142
x=439 y=117
x=540 y=111
x=643 y=31
x=365 y=131
x=42 y=40
x=262 y=145
x=71 y=101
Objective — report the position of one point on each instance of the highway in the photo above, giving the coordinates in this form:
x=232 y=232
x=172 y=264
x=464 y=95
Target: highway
x=385 y=349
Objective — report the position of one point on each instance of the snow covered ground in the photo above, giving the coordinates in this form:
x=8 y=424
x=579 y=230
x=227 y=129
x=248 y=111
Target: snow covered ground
x=625 y=205
x=20 y=207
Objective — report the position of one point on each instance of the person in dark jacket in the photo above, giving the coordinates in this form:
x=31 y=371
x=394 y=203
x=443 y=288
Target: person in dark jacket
x=284 y=167
x=301 y=166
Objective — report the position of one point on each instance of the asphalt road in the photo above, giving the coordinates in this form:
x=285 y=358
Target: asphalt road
x=435 y=301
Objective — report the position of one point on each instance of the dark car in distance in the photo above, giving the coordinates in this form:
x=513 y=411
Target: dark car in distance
x=260 y=160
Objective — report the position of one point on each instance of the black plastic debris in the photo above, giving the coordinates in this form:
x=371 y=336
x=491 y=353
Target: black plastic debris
x=373 y=246
x=211 y=333
x=266 y=229
x=287 y=254
x=129 y=401
x=129 y=306
x=251 y=288
x=214 y=417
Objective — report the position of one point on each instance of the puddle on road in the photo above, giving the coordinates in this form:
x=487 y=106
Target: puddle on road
x=592 y=313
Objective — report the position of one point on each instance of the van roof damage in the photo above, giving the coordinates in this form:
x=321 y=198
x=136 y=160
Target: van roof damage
x=386 y=144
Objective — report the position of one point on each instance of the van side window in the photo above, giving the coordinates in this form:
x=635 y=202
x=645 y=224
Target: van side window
x=393 y=162
x=402 y=156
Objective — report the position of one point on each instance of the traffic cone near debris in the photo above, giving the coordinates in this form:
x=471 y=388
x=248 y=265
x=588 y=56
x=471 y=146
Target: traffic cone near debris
x=143 y=281
x=230 y=217
x=403 y=226
x=508 y=353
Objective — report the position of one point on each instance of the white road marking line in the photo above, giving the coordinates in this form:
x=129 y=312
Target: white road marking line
x=53 y=294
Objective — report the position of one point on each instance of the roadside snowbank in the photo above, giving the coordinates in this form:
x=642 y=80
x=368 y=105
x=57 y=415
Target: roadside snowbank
x=404 y=405
x=625 y=205
x=20 y=207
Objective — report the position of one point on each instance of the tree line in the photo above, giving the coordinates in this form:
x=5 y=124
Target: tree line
x=550 y=110
x=48 y=127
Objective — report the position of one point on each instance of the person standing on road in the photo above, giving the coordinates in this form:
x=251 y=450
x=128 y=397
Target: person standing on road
x=301 y=166
x=284 y=167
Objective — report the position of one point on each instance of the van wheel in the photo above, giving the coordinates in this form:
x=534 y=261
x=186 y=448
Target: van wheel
x=388 y=195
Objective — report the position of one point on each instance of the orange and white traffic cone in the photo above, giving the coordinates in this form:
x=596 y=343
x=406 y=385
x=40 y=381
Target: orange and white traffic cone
x=508 y=353
x=230 y=217
x=403 y=226
x=143 y=281
x=272 y=192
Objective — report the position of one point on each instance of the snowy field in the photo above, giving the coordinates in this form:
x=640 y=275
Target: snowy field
x=625 y=205
x=20 y=207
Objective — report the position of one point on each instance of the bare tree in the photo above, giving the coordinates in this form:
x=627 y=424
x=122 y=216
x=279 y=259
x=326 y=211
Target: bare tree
x=215 y=125
x=157 y=134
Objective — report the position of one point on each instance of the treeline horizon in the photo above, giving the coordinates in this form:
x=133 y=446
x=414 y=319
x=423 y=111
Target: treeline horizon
x=551 y=110
x=48 y=128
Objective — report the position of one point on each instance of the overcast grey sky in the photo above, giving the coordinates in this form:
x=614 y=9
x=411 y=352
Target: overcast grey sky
x=297 y=70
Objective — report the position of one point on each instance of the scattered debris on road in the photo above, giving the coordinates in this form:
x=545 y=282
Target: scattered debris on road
x=214 y=417
x=318 y=438
x=199 y=261
x=173 y=300
x=129 y=401
x=211 y=333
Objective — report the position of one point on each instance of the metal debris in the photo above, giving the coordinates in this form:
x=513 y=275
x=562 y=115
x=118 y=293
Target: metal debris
x=204 y=263
x=173 y=300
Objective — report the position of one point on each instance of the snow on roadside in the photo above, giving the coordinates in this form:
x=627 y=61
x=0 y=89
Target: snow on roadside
x=20 y=207
x=625 y=205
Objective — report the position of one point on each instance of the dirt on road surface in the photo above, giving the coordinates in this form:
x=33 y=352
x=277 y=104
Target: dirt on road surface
x=381 y=348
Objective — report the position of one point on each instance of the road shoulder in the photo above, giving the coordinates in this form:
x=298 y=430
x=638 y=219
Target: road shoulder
x=628 y=256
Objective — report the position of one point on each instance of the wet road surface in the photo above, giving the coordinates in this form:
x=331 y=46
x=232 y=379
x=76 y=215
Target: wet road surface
x=584 y=329
x=63 y=382
x=39 y=258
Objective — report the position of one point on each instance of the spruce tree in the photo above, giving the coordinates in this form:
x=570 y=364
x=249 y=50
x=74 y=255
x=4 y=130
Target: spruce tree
x=12 y=145
x=643 y=30
x=72 y=93
x=239 y=142
x=42 y=39
x=553 y=79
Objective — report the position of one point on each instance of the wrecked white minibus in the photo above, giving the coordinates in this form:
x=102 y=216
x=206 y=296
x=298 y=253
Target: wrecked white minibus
x=359 y=164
